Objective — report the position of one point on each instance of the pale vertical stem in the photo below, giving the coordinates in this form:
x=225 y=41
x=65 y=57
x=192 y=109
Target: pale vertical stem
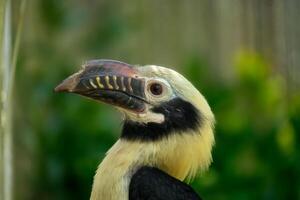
x=2 y=6
x=5 y=113
x=17 y=45
x=9 y=61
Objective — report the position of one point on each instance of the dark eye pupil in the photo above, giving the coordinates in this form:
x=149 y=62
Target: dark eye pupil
x=156 y=89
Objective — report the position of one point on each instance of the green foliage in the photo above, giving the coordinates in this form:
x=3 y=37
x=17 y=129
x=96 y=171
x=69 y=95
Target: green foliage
x=255 y=156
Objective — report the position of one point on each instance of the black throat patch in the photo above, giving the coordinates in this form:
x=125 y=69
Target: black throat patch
x=180 y=117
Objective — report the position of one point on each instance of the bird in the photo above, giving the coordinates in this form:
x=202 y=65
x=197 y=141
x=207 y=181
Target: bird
x=167 y=133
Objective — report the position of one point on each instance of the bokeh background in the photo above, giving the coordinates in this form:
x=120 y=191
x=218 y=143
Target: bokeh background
x=243 y=56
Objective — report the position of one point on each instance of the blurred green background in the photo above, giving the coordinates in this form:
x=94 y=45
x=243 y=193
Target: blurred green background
x=242 y=55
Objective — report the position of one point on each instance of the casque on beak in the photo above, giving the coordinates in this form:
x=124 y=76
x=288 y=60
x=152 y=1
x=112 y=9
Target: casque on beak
x=109 y=81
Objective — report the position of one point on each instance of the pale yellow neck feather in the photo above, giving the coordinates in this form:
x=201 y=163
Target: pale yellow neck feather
x=180 y=155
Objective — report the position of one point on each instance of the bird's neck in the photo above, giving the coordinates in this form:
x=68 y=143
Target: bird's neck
x=180 y=155
x=113 y=174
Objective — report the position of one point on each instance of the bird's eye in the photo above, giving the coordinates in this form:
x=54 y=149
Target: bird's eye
x=156 y=89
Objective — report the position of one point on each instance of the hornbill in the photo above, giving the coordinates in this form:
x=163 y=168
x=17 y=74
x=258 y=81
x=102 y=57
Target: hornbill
x=167 y=136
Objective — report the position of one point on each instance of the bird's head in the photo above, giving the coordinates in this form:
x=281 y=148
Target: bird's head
x=157 y=102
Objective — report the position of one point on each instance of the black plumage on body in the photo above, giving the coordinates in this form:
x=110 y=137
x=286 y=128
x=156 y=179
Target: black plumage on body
x=150 y=183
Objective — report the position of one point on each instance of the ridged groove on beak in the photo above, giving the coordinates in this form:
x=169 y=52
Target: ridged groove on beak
x=131 y=86
x=109 y=81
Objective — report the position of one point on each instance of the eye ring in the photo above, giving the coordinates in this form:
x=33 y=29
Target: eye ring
x=156 y=89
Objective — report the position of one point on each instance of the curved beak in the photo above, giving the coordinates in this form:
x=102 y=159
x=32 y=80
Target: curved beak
x=108 y=81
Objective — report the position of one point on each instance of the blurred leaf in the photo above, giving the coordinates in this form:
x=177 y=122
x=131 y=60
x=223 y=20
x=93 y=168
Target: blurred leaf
x=286 y=138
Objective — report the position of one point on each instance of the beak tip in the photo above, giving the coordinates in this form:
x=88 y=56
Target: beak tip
x=67 y=85
x=61 y=88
